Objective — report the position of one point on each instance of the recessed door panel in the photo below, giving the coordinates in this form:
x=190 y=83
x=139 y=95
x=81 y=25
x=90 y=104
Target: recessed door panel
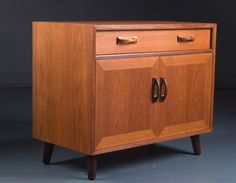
x=124 y=109
x=187 y=106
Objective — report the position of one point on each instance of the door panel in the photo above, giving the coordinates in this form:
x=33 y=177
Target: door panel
x=187 y=107
x=124 y=109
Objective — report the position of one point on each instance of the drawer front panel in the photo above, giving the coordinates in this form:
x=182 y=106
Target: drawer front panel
x=112 y=42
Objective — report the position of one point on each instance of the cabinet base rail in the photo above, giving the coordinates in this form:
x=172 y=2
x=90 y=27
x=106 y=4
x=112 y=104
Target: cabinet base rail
x=92 y=159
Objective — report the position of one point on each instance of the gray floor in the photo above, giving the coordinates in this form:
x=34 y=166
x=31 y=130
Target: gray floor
x=169 y=162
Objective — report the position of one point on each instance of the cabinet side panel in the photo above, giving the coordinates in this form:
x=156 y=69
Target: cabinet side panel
x=213 y=40
x=63 y=97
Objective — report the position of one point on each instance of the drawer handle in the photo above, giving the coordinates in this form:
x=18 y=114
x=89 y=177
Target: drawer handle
x=126 y=40
x=185 y=39
x=155 y=90
x=163 y=89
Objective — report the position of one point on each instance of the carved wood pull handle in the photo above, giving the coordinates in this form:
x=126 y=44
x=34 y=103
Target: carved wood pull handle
x=183 y=39
x=163 y=89
x=126 y=40
x=155 y=90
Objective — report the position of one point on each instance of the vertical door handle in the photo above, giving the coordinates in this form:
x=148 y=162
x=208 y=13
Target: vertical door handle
x=163 y=89
x=155 y=90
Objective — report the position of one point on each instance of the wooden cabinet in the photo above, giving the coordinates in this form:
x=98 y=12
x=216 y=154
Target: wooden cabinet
x=99 y=87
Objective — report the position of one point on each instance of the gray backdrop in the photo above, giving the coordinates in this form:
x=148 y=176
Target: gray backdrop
x=16 y=17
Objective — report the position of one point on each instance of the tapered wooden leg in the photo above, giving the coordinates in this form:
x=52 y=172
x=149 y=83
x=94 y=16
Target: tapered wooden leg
x=91 y=167
x=47 y=153
x=196 y=144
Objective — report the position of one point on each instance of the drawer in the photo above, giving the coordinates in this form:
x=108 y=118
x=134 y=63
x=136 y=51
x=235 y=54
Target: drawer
x=112 y=42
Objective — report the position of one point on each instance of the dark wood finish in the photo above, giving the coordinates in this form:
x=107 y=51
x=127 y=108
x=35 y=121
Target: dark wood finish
x=196 y=144
x=47 y=153
x=91 y=167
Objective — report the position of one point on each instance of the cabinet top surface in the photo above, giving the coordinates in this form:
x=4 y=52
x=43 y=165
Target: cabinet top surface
x=132 y=25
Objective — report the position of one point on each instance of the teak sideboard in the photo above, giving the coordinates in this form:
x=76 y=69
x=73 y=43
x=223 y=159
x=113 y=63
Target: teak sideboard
x=100 y=87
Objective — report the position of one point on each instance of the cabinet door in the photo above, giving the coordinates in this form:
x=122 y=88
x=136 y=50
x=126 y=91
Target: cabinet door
x=124 y=109
x=187 y=107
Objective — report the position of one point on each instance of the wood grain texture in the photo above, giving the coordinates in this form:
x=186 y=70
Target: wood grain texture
x=186 y=111
x=188 y=103
x=150 y=41
x=141 y=25
x=151 y=25
x=213 y=43
x=63 y=95
x=123 y=101
x=98 y=103
x=151 y=54
x=147 y=142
